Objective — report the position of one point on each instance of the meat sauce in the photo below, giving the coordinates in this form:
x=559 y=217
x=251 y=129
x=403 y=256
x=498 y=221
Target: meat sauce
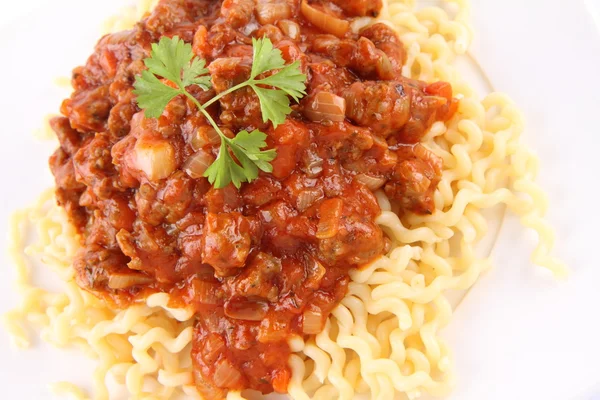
x=271 y=259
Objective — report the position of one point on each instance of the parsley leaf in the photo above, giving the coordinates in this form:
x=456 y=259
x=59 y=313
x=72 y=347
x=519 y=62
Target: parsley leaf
x=168 y=57
x=288 y=81
x=196 y=73
x=265 y=57
x=251 y=144
x=274 y=105
x=246 y=147
x=174 y=60
x=152 y=95
x=241 y=158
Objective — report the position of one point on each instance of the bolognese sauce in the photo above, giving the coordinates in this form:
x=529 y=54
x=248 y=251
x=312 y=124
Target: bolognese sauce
x=271 y=259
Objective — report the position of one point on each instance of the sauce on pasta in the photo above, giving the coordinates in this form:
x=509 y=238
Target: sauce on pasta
x=270 y=260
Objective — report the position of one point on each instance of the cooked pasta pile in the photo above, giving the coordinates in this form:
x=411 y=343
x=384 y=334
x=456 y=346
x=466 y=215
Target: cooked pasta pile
x=384 y=336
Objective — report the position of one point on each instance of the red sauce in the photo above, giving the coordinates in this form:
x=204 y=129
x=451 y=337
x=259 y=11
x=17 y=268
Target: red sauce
x=269 y=260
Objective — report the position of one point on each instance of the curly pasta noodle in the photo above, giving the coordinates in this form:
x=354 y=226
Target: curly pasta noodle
x=384 y=336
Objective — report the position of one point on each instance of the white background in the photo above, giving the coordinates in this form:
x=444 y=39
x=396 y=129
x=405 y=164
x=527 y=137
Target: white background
x=518 y=335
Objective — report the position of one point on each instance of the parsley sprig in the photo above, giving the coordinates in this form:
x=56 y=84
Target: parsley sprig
x=174 y=61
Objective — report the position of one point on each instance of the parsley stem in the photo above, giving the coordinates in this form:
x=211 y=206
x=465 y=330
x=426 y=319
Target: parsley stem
x=207 y=115
x=226 y=92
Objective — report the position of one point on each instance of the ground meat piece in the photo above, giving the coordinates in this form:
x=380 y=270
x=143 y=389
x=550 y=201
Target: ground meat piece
x=226 y=242
x=382 y=106
x=119 y=119
x=237 y=13
x=415 y=179
x=386 y=40
x=226 y=199
x=240 y=109
x=258 y=278
x=94 y=265
x=166 y=201
x=357 y=240
x=190 y=239
x=269 y=31
x=324 y=75
x=62 y=168
x=271 y=11
x=69 y=138
x=288 y=139
x=93 y=166
x=362 y=56
x=344 y=140
x=88 y=110
x=430 y=103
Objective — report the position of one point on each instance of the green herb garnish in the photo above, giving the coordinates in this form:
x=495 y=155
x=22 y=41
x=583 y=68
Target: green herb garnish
x=174 y=60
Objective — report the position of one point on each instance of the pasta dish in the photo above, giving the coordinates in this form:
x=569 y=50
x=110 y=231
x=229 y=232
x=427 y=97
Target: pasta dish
x=271 y=196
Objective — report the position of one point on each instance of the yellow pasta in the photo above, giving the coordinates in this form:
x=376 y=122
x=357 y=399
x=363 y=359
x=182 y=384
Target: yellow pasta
x=384 y=336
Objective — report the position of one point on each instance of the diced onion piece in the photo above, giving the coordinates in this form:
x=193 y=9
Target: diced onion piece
x=307 y=198
x=358 y=24
x=329 y=222
x=246 y=310
x=205 y=292
x=274 y=329
x=212 y=348
x=126 y=280
x=156 y=159
x=372 y=182
x=315 y=271
x=324 y=21
x=271 y=11
x=198 y=163
x=433 y=102
x=204 y=136
x=312 y=163
x=289 y=28
x=312 y=322
x=384 y=67
x=226 y=375
x=205 y=387
x=325 y=106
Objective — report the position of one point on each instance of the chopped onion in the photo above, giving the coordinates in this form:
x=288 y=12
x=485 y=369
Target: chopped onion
x=125 y=280
x=372 y=182
x=315 y=271
x=312 y=164
x=307 y=198
x=246 y=310
x=204 y=135
x=198 y=163
x=205 y=386
x=330 y=214
x=212 y=348
x=433 y=101
x=312 y=322
x=156 y=159
x=274 y=329
x=324 y=21
x=358 y=24
x=289 y=28
x=205 y=292
x=226 y=375
x=384 y=67
x=325 y=106
x=271 y=11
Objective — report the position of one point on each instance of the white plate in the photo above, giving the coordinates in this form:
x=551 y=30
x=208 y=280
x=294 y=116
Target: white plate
x=518 y=334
